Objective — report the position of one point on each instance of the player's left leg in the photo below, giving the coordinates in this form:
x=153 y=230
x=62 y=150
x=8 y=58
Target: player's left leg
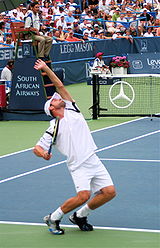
x=104 y=195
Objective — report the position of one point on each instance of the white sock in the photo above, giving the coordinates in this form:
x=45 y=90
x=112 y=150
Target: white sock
x=57 y=215
x=83 y=212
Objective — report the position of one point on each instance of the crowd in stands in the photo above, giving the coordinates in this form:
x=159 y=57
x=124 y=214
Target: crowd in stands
x=85 y=20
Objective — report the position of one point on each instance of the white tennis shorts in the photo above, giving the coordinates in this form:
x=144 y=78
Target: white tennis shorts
x=91 y=175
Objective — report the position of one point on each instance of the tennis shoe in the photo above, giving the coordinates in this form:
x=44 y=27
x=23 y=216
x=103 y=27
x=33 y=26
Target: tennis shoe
x=54 y=227
x=81 y=222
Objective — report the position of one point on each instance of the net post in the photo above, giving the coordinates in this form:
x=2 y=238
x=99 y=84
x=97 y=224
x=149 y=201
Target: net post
x=95 y=104
x=151 y=97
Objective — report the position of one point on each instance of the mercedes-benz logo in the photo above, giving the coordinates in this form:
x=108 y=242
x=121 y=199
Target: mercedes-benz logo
x=121 y=94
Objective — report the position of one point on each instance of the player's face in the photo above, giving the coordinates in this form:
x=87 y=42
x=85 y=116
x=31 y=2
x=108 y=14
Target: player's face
x=57 y=104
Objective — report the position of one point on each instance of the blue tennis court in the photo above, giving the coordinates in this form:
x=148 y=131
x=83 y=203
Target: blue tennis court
x=31 y=187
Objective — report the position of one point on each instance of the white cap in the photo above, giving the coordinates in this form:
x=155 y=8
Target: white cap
x=47 y=104
x=118 y=31
x=89 y=25
x=85 y=32
x=101 y=31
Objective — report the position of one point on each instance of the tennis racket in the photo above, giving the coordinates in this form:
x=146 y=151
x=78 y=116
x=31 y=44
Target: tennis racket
x=54 y=136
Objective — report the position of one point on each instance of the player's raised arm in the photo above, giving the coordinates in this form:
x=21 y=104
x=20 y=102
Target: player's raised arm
x=41 y=65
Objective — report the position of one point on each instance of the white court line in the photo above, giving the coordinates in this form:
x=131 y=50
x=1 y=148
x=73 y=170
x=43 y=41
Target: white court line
x=14 y=153
x=101 y=129
x=130 y=160
x=95 y=227
x=31 y=172
x=120 y=124
x=52 y=165
x=127 y=141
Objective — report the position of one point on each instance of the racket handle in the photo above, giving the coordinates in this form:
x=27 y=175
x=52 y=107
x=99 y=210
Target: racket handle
x=50 y=149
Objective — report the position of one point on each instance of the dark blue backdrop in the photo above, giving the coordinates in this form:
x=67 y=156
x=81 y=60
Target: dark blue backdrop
x=74 y=58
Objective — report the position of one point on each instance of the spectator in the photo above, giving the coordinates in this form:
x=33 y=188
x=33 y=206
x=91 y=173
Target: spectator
x=2 y=33
x=128 y=35
x=83 y=25
x=72 y=38
x=67 y=8
x=6 y=20
x=146 y=21
x=103 y=8
x=134 y=22
x=136 y=6
x=156 y=24
x=78 y=14
x=69 y=18
x=85 y=11
x=55 y=8
x=153 y=2
x=96 y=28
x=73 y=5
x=93 y=36
x=121 y=18
x=116 y=15
x=93 y=4
x=61 y=4
x=121 y=22
x=1 y=17
x=62 y=35
x=9 y=41
x=89 y=28
x=77 y=31
x=85 y=35
x=56 y=36
x=51 y=34
x=45 y=8
x=6 y=75
x=69 y=28
x=157 y=13
x=14 y=16
x=32 y=22
x=110 y=25
x=62 y=22
x=148 y=33
x=158 y=31
x=23 y=13
x=99 y=63
x=117 y=34
x=89 y=17
x=101 y=35
x=61 y=11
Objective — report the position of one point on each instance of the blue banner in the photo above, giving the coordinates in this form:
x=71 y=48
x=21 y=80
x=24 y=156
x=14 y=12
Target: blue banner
x=75 y=58
x=148 y=63
x=27 y=92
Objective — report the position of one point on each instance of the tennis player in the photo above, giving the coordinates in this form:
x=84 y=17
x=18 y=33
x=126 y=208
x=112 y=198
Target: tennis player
x=75 y=141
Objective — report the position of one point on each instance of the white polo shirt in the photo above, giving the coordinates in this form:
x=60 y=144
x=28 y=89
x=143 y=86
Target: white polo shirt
x=98 y=63
x=32 y=20
x=74 y=139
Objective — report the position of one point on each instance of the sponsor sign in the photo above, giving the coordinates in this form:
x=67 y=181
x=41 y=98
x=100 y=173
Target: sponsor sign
x=27 y=92
x=148 y=63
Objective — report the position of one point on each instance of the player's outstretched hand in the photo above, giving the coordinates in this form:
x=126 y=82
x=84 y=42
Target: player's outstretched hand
x=39 y=65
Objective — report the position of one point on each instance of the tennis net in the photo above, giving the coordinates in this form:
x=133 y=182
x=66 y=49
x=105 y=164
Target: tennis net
x=126 y=95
